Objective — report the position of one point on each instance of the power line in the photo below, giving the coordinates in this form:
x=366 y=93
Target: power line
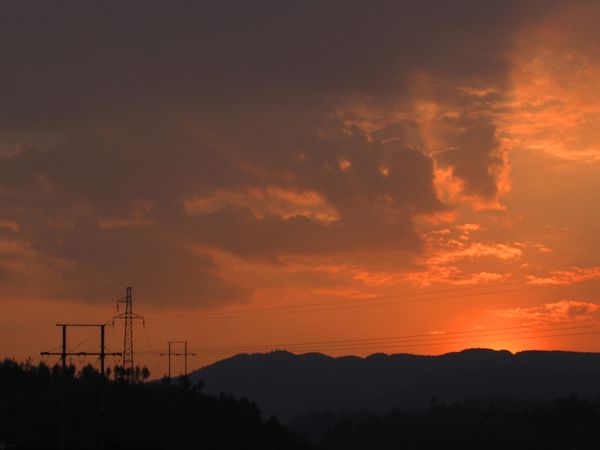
x=159 y=368
x=103 y=306
x=402 y=345
x=383 y=340
x=227 y=315
x=492 y=340
x=415 y=343
x=419 y=339
x=394 y=340
x=343 y=304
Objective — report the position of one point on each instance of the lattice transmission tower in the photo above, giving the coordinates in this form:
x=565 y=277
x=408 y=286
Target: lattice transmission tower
x=128 y=316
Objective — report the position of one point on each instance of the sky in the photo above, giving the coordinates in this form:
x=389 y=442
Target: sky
x=348 y=177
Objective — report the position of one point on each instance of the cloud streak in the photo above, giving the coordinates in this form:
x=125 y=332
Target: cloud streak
x=562 y=311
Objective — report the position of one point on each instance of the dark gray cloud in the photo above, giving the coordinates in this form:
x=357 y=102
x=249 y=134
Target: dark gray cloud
x=474 y=156
x=84 y=62
x=160 y=102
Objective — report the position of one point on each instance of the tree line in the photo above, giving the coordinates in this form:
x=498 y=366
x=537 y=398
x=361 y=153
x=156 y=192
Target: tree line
x=51 y=407
x=481 y=423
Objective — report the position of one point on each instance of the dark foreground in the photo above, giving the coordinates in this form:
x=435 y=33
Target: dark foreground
x=101 y=414
x=44 y=408
x=480 y=424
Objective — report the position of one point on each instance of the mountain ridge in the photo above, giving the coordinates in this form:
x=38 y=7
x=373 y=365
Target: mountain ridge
x=287 y=385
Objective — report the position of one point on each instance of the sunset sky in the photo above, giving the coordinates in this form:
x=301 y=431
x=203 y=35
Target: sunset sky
x=348 y=177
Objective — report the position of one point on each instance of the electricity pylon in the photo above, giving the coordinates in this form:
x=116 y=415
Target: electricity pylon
x=128 y=315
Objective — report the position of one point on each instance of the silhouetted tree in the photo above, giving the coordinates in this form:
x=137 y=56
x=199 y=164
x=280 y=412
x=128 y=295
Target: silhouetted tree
x=138 y=374
x=119 y=373
x=44 y=372
x=88 y=372
x=145 y=374
x=184 y=382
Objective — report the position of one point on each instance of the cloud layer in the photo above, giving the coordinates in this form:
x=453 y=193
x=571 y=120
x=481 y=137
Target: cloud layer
x=259 y=130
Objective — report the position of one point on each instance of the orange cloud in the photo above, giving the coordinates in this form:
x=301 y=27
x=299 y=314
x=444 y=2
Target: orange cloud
x=450 y=275
x=501 y=251
x=469 y=227
x=31 y=271
x=556 y=93
x=262 y=202
x=341 y=291
x=553 y=312
x=564 y=277
x=453 y=189
x=450 y=261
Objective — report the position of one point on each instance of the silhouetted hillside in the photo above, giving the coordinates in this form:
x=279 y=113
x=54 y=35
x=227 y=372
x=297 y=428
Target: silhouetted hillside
x=36 y=403
x=287 y=385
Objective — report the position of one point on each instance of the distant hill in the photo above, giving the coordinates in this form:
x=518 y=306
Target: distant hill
x=287 y=385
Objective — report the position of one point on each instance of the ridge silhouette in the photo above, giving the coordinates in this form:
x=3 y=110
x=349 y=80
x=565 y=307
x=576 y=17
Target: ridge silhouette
x=287 y=385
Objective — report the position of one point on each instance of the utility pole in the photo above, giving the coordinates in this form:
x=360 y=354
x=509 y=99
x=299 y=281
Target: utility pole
x=128 y=316
x=185 y=355
x=63 y=354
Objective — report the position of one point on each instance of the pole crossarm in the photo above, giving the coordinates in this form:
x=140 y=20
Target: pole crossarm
x=64 y=352
x=80 y=354
x=185 y=354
